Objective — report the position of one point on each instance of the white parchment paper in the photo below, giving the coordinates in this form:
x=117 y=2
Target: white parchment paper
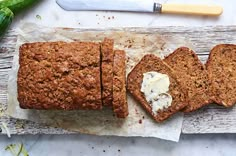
x=136 y=42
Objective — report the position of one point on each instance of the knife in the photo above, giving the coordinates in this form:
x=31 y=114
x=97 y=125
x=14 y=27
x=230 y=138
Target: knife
x=139 y=6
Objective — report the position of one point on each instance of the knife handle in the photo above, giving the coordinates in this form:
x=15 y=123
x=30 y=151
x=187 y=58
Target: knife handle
x=190 y=9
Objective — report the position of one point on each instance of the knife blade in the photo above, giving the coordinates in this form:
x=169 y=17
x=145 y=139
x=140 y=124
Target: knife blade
x=107 y=5
x=139 y=6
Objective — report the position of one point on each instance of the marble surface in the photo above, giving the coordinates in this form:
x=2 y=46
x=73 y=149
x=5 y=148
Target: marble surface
x=84 y=145
x=70 y=145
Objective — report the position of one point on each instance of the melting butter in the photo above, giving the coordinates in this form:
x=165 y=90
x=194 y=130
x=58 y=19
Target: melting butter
x=155 y=87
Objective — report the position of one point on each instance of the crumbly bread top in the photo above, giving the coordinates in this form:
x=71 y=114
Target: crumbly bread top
x=59 y=75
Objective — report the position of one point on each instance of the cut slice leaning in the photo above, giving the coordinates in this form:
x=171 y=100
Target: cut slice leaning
x=192 y=75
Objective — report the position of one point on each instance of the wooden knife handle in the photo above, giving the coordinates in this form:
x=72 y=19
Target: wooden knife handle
x=191 y=9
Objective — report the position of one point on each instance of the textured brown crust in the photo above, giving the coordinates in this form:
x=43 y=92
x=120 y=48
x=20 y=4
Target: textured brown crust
x=107 y=71
x=120 y=105
x=152 y=63
x=59 y=75
x=193 y=76
x=221 y=67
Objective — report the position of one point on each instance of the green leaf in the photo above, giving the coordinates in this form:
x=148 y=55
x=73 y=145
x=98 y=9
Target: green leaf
x=17 y=150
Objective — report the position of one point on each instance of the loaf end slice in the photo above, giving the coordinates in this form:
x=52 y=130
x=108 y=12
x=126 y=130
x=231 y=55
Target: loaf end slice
x=107 y=71
x=221 y=67
x=193 y=76
x=120 y=105
x=152 y=63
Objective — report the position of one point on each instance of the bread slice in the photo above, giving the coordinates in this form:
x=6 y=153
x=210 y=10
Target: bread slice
x=193 y=75
x=120 y=105
x=221 y=67
x=107 y=71
x=149 y=63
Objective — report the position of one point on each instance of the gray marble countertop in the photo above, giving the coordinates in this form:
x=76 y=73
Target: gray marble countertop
x=71 y=145
x=85 y=145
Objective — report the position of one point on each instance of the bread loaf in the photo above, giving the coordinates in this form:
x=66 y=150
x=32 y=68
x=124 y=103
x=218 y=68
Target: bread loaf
x=59 y=75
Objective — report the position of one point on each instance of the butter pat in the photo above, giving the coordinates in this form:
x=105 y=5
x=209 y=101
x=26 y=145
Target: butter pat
x=155 y=87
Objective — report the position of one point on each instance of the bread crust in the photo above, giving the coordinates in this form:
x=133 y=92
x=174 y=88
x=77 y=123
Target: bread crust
x=120 y=105
x=149 y=63
x=59 y=75
x=107 y=71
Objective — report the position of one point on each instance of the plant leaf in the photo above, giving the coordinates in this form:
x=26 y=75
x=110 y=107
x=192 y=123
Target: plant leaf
x=17 y=149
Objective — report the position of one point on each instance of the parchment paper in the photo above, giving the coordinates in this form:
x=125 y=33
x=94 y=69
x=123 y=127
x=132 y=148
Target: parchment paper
x=136 y=43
